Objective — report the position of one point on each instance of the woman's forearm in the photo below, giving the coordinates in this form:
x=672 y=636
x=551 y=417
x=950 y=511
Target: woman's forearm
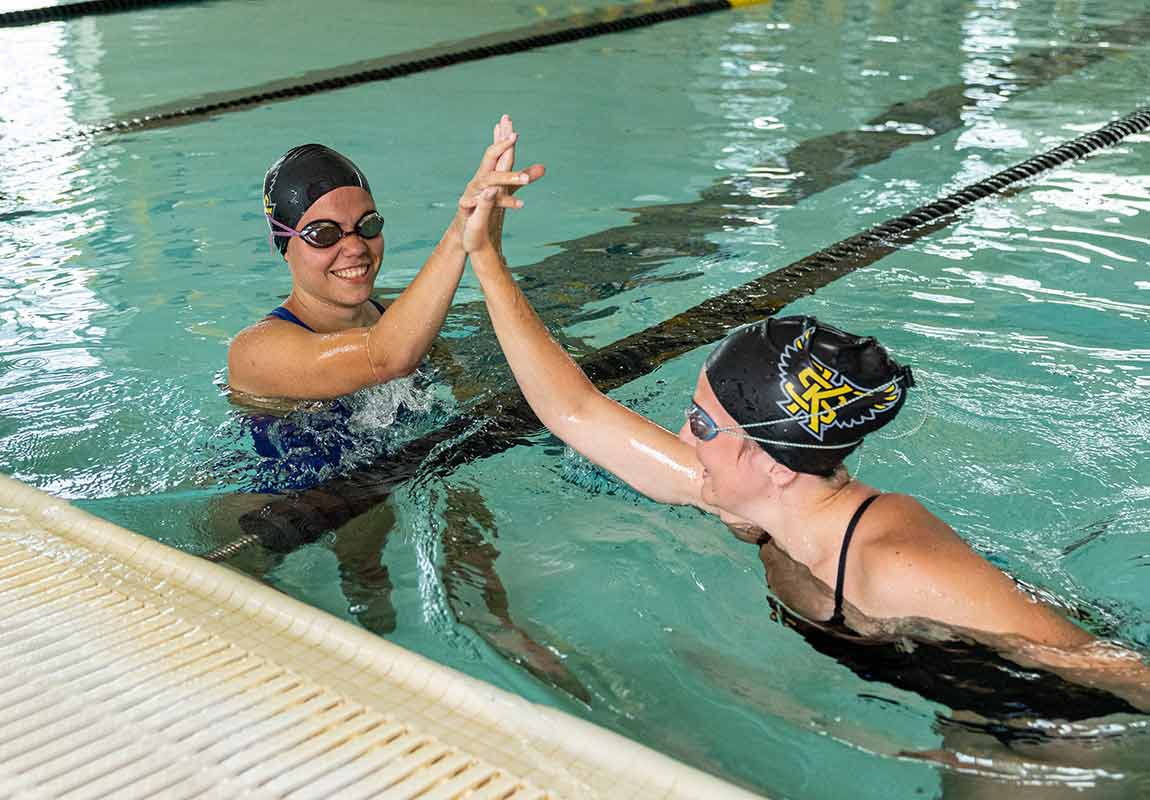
x=405 y=332
x=497 y=217
x=646 y=456
x=550 y=380
x=1098 y=663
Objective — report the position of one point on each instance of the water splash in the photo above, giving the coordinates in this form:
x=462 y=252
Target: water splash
x=379 y=406
x=423 y=531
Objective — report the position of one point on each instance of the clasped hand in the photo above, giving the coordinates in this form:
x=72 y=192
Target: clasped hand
x=492 y=188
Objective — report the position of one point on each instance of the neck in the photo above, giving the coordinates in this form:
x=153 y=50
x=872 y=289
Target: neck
x=803 y=518
x=325 y=316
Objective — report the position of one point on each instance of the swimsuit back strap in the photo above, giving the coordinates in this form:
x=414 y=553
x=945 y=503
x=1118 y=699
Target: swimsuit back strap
x=378 y=305
x=837 y=617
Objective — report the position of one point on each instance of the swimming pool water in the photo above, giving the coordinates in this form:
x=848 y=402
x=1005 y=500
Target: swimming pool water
x=683 y=161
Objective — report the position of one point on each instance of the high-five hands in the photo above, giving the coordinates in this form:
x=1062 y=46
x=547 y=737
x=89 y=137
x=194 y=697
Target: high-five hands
x=496 y=174
x=477 y=229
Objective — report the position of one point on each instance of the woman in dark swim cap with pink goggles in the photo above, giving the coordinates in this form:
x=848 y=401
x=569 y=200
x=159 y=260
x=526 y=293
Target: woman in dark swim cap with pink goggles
x=330 y=337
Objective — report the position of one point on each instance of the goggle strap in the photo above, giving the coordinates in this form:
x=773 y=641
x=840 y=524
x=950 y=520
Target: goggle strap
x=808 y=417
x=905 y=376
x=285 y=230
x=805 y=446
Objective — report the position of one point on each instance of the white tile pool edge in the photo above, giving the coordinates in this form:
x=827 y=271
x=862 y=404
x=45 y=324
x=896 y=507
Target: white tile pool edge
x=48 y=545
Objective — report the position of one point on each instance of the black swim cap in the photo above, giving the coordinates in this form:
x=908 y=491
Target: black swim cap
x=814 y=384
x=301 y=176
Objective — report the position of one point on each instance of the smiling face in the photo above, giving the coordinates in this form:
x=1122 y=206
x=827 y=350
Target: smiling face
x=343 y=274
x=735 y=470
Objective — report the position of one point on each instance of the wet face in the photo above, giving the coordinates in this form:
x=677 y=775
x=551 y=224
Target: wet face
x=733 y=467
x=343 y=274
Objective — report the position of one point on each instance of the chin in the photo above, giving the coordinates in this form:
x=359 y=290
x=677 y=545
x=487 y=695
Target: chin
x=708 y=496
x=354 y=294
x=746 y=532
x=731 y=518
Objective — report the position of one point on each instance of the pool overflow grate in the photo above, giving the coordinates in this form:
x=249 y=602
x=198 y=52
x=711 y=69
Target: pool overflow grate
x=587 y=25
x=66 y=11
x=291 y=521
x=129 y=669
x=103 y=695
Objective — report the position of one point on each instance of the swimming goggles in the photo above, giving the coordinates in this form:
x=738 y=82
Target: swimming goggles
x=704 y=428
x=324 y=233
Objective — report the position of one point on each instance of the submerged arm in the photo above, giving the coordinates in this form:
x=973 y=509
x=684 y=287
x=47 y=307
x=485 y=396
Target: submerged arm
x=924 y=569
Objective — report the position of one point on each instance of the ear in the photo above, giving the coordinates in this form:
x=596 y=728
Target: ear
x=761 y=460
x=781 y=475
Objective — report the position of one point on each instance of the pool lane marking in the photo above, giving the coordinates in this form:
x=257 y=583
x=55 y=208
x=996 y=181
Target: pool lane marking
x=286 y=523
x=940 y=108
x=599 y=265
x=66 y=11
x=612 y=19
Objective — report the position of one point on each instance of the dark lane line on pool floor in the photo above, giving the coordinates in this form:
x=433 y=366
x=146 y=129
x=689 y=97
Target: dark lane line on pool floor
x=585 y=25
x=506 y=420
x=603 y=264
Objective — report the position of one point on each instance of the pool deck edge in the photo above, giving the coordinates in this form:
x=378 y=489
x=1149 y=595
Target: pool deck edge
x=61 y=568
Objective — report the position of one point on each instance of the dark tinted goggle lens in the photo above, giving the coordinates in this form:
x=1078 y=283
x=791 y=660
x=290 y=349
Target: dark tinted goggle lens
x=321 y=234
x=370 y=226
x=325 y=233
x=702 y=428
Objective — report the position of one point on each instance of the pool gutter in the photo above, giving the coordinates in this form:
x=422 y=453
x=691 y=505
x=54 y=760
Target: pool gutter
x=131 y=669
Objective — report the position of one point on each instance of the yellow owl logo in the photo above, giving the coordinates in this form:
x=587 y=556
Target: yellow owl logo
x=821 y=398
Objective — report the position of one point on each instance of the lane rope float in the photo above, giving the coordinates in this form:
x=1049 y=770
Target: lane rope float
x=612 y=19
x=67 y=11
x=294 y=520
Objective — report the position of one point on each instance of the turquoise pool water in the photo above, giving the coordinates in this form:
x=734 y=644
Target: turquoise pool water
x=683 y=161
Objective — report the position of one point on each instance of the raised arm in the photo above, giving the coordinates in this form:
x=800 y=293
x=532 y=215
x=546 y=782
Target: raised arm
x=403 y=335
x=277 y=359
x=648 y=457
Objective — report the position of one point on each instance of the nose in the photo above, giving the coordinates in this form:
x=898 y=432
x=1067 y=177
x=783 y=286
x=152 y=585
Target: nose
x=685 y=435
x=353 y=244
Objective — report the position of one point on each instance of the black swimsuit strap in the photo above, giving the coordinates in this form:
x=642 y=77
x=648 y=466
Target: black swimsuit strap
x=837 y=617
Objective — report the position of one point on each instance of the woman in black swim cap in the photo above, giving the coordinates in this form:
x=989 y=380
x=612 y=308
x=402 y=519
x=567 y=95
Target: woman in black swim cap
x=775 y=410
x=806 y=392
x=329 y=337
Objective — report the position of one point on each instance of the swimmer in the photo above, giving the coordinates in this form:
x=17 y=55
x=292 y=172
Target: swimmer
x=777 y=407
x=329 y=337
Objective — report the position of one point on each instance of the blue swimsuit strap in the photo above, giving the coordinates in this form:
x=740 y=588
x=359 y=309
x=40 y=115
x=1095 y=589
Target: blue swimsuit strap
x=282 y=313
x=837 y=617
x=279 y=312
